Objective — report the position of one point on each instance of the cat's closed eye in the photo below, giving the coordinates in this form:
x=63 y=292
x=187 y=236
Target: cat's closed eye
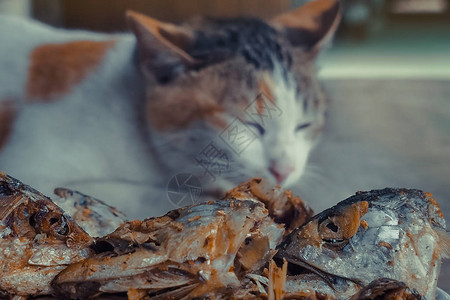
x=258 y=127
x=302 y=127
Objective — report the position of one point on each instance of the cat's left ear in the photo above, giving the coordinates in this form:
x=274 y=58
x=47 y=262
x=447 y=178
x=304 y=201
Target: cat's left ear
x=311 y=25
x=161 y=47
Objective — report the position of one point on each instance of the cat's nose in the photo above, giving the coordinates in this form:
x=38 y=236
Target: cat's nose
x=280 y=171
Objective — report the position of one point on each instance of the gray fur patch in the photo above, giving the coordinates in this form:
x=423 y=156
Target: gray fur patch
x=253 y=39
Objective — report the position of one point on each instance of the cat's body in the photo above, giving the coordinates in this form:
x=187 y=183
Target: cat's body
x=75 y=139
x=221 y=100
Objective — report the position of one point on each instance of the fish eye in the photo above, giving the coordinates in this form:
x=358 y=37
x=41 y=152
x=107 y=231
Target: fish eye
x=330 y=232
x=329 y=227
x=50 y=223
x=303 y=126
x=258 y=127
x=332 y=227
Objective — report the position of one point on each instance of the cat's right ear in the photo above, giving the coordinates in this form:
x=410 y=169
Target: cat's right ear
x=161 y=47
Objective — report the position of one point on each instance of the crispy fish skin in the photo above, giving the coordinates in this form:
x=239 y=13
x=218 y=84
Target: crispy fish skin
x=93 y=215
x=37 y=240
x=390 y=233
x=204 y=249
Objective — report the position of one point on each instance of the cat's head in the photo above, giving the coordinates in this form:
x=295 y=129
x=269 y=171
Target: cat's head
x=235 y=98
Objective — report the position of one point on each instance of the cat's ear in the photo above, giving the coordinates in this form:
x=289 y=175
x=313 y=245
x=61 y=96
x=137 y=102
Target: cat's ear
x=161 y=47
x=312 y=25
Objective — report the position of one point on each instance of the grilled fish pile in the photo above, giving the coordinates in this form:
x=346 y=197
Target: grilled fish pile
x=258 y=242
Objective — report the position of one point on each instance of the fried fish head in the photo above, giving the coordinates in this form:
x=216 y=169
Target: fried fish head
x=394 y=233
x=37 y=240
x=96 y=217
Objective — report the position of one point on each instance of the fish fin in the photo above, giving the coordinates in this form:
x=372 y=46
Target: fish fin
x=444 y=243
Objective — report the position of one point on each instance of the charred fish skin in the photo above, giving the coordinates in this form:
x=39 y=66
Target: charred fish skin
x=385 y=288
x=311 y=288
x=394 y=233
x=37 y=240
x=204 y=249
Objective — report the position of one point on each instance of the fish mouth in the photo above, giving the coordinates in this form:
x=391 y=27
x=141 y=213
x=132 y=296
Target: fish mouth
x=298 y=266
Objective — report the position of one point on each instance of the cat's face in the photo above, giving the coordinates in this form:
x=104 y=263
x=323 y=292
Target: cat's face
x=234 y=99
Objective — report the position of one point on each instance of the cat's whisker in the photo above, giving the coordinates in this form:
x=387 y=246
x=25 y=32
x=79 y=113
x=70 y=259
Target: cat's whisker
x=314 y=168
x=314 y=175
x=90 y=181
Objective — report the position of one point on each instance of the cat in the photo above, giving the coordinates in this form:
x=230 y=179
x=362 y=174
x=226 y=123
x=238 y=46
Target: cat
x=138 y=118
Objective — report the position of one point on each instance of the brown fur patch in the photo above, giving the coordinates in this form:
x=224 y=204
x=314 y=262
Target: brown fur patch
x=7 y=117
x=56 y=68
x=260 y=105
x=182 y=109
x=205 y=97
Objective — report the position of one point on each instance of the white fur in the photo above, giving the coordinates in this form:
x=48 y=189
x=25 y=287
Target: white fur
x=280 y=143
x=99 y=111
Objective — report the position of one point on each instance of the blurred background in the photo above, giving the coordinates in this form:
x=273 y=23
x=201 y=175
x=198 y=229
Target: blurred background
x=387 y=75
